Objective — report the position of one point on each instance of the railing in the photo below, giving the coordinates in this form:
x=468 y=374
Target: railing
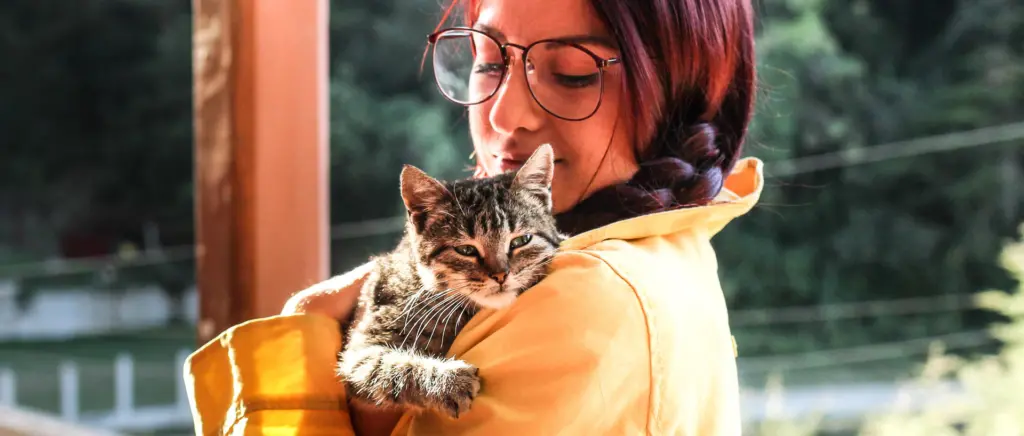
x=126 y=415
x=25 y=422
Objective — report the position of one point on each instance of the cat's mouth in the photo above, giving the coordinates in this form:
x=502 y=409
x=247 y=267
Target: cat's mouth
x=502 y=288
x=496 y=290
x=496 y=296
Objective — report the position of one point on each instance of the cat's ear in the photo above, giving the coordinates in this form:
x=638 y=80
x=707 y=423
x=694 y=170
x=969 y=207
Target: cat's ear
x=420 y=192
x=536 y=174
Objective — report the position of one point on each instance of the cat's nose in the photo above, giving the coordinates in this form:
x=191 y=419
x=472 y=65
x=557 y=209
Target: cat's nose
x=499 y=276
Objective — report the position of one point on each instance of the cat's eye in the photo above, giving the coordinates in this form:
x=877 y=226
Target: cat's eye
x=466 y=250
x=520 y=241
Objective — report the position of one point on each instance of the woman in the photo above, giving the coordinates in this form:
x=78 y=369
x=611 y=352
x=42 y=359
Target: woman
x=646 y=104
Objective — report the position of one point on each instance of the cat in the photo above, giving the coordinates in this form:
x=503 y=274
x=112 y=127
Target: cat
x=468 y=244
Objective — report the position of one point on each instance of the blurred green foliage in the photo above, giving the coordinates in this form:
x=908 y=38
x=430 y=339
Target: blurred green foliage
x=850 y=74
x=979 y=396
x=990 y=398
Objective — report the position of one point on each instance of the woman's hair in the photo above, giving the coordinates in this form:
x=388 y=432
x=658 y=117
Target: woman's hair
x=690 y=77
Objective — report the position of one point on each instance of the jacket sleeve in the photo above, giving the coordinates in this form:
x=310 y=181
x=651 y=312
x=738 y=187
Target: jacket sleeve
x=269 y=376
x=570 y=357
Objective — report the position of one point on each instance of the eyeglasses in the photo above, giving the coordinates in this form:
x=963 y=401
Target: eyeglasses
x=564 y=78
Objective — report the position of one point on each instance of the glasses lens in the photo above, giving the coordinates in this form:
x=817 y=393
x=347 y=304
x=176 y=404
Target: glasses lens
x=564 y=79
x=467 y=66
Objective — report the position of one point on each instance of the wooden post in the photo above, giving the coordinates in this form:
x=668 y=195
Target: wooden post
x=261 y=160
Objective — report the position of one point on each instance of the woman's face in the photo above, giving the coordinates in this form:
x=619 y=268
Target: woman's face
x=509 y=126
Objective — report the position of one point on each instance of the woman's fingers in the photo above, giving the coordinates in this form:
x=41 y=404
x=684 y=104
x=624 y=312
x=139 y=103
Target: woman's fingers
x=335 y=297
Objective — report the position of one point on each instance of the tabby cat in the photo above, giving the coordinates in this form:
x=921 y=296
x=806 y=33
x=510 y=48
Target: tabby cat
x=469 y=244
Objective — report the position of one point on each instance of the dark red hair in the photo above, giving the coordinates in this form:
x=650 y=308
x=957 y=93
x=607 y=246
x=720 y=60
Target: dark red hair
x=690 y=77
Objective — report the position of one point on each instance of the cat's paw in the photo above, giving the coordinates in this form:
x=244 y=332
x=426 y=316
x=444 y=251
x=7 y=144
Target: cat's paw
x=457 y=387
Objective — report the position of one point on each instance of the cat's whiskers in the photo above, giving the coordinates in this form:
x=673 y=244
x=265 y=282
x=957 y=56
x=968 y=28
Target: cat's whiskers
x=465 y=284
x=435 y=296
x=418 y=304
x=539 y=262
x=537 y=267
x=425 y=304
x=415 y=299
x=419 y=324
x=414 y=323
x=419 y=300
x=458 y=319
x=412 y=300
x=450 y=308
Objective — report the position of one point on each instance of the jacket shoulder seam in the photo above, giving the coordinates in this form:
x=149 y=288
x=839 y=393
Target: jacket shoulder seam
x=651 y=339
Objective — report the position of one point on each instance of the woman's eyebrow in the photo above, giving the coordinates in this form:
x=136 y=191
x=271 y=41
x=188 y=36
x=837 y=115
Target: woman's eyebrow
x=497 y=34
x=590 y=39
x=575 y=39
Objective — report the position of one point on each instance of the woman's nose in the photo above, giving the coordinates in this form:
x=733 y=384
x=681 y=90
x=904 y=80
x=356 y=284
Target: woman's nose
x=514 y=107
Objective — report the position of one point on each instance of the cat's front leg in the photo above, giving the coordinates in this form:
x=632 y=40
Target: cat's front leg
x=390 y=377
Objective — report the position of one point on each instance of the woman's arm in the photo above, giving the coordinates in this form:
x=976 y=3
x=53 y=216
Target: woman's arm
x=277 y=371
x=571 y=355
x=334 y=297
x=268 y=376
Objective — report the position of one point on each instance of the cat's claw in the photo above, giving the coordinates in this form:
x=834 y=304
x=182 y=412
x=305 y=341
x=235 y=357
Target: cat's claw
x=461 y=391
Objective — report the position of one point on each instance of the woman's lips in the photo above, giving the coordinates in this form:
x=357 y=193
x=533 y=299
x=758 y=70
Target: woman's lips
x=506 y=164
x=514 y=163
x=510 y=164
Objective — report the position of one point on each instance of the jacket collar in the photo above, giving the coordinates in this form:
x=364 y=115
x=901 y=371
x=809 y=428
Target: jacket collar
x=739 y=195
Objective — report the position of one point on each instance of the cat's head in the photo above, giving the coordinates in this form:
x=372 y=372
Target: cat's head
x=488 y=239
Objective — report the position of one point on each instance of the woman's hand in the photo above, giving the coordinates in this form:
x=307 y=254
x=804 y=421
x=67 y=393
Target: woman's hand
x=335 y=297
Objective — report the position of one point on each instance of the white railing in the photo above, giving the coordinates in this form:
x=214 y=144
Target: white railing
x=66 y=313
x=126 y=415
x=27 y=422
x=8 y=395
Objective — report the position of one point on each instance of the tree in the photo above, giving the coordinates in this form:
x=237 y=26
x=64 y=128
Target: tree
x=992 y=400
x=848 y=75
x=96 y=118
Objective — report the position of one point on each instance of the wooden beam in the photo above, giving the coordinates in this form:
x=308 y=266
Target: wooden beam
x=261 y=159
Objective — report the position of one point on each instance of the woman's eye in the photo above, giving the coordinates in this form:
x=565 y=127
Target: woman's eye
x=492 y=69
x=583 y=81
x=466 y=250
x=520 y=241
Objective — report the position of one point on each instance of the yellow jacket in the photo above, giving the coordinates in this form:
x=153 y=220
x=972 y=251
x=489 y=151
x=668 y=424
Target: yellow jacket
x=628 y=335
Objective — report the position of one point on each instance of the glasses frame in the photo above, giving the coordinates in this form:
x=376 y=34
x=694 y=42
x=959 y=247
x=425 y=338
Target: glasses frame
x=600 y=62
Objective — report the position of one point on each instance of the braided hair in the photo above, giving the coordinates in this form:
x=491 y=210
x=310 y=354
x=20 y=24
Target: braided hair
x=690 y=76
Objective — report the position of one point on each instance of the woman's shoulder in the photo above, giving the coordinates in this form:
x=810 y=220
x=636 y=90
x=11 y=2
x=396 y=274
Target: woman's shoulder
x=674 y=261
x=671 y=276
x=671 y=281
x=623 y=276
